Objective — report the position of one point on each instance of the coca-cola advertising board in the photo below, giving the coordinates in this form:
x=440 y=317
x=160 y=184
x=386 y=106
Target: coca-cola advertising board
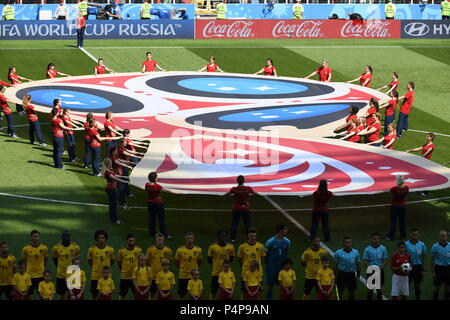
x=297 y=29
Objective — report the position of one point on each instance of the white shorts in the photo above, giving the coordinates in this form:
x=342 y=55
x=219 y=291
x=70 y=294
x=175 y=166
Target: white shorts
x=400 y=285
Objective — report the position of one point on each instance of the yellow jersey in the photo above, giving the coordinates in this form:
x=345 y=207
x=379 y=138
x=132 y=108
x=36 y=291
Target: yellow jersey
x=313 y=260
x=105 y=286
x=252 y=278
x=46 y=289
x=287 y=278
x=227 y=279
x=22 y=281
x=143 y=276
x=35 y=258
x=100 y=258
x=188 y=259
x=7 y=266
x=154 y=257
x=218 y=255
x=76 y=283
x=248 y=252
x=129 y=260
x=195 y=287
x=64 y=255
x=325 y=277
x=165 y=280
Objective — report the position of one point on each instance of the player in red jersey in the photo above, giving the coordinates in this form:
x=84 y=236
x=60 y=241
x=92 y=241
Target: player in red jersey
x=353 y=114
x=111 y=130
x=393 y=85
x=365 y=78
x=52 y=72
x=373 y=130
x=400 y=277
x=15 y=79
x=149 y=65
x=33 y=120
x=211 y=66
x=111 y=188
x=4 y=107
x=269 y=69
x=69 y=134
x=351 y=134
x=389 y=113
x=324 y=72
x=388 y=139
x=241 y=206
x=374 y=107
x=405 y=109
x=100 y=68
x=427 y=149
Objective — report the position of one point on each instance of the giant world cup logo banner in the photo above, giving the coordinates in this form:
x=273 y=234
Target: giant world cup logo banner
x=205 y=129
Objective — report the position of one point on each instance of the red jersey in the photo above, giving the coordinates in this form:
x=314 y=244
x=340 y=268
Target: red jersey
x=376 y=135
x=269 y=71
x=86 y=130
x=390 y=109
x=355 y=137
x=117 y=168
x=397 y=260
x=4 y=105
x=363 y=78
x=111 y=184
x=52 y=73
x=121 y=153
x=56 y=129
x=5 y=84
x=211 y=67
x=350 y=117
x=81 y=22
x=153 y=192
x=100 y=69
x=399 y=196
x=393 y=84
x=407 y=102
x=321 y=200
x=241 y=197
x=92 y=135
x=388 y=138
x=369 y=118
x=427 y=147
x=13 y=78
x=108 y=126
x=149 y=65
x=31 y=113
x=67 y=124
x=128 y=145
x=324 y=73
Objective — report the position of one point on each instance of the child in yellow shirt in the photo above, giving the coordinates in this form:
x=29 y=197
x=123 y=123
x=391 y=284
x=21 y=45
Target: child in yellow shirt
x=195 y=286
x=227 y=282
x=325 y=280
x=286 y=280
x=46 y=288
x=252 y=280
x=21 y=283
x=76 y=280
x=142 y=279
x=165 y=281
x=105 y=285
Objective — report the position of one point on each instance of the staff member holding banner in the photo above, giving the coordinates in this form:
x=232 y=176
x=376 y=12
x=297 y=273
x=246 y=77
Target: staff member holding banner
x=81 y=27
x=145 y=10
x=297 y=10
x=389 y=10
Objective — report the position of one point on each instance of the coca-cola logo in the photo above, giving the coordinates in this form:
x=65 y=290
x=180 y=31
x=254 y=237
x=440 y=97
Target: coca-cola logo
x=304 y=29
x=237 y=29
x=372 y=29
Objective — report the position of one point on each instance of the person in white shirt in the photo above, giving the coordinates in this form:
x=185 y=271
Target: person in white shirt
x=61 y=11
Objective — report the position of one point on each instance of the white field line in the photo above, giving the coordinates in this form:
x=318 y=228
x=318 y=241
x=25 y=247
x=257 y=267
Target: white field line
x=231 y=47
x=88 y=54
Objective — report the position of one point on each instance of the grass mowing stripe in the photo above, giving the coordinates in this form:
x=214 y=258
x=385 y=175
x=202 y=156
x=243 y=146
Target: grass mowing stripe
x=440 y=55
x=241 y=47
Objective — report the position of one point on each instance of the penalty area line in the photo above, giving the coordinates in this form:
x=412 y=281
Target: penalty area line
x=88 y=54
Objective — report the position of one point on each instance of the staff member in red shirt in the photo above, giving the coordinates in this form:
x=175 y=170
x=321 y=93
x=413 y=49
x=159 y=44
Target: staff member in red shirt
x=52 y=72
x=389 y=139
x=81 y=27
x=373 y=130
x=393 y=85
x=365 y=78
x=427 y=149
x=155 y=206
x=320 y=210
x=58 y=137
x=398 y=208
x=211 y=66
x=149 y=65
x=111 y=131
x=269 y=69
x=351 y=134
x=100 y=68
x=111 y=188
x=324 y=72
x=125 y=154
x=14 y=78
x=389 y=113
x=87 y=141
x=241 y=206
x=353 y=114
x=374 y=107
x=8 y=114
x=405 y=109
x=70 y=137
x=33 y=120
x=131 y=144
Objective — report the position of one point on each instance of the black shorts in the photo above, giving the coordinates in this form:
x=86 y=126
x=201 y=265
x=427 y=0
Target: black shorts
x=124 y=286
x=7 y=290
x=243 y=286
x=416 y=275
x=442 y=275
x=346 y=280
x=94 y=289
x=309 y=285
x=153 y=287
x=215 y=285
x=182 y=287
x=34 y=285
x=61 y=286
x=381 y=276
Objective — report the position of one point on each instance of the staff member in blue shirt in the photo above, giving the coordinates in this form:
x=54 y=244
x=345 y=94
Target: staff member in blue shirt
x=276 y=252
x=348 y=269
x=375 y=255
x=440 y=264
x=417 y=250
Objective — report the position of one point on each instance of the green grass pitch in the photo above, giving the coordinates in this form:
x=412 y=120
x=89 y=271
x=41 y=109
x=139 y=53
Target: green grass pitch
x=27 y=170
